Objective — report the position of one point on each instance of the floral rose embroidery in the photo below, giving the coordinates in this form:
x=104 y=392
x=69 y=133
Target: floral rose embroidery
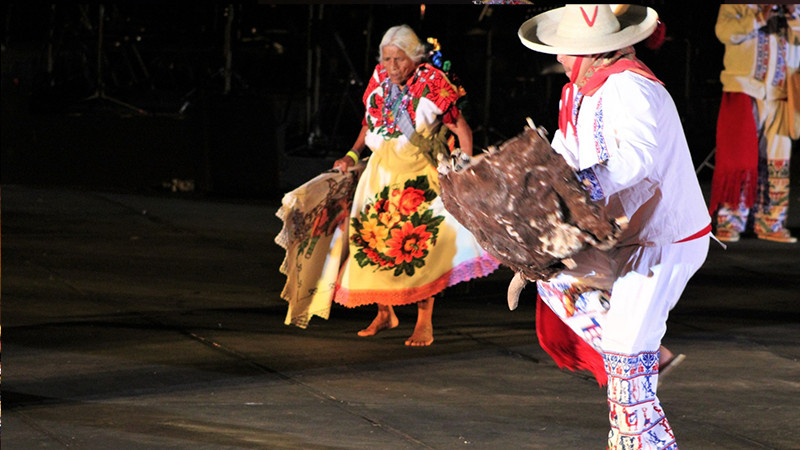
x=344 y=212
x=427 y=82
x=374 y=235
x=320 y=224
x=408 y=243
x=322 y=221
x=409 y=201
x=397 y=229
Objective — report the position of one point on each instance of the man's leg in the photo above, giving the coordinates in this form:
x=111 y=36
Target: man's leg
x=634 y=326
x=770 y=220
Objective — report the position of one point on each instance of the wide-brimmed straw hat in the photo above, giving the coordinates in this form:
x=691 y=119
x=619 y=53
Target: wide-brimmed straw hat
x=588 y=29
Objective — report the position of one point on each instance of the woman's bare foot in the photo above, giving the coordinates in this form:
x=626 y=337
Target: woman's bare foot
x=423 y=331
x=385 y=320
x=422 y=336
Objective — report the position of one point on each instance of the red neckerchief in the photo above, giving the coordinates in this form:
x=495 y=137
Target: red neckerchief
x=595 y=77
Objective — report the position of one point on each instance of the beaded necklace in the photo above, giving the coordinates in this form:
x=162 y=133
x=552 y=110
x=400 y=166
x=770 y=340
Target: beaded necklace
x=395 y=100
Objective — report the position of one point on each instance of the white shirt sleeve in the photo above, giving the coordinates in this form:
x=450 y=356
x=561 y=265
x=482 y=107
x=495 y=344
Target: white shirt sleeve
x=560 y=146
x=628 y=108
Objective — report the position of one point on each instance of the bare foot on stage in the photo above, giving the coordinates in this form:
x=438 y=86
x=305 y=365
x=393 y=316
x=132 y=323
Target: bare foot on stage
x=423 y=330
x=422 y=337
x=385 y=320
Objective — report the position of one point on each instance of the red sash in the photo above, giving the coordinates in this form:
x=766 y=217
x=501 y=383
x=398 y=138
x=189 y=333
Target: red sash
x=736 y=159
x=697 y=235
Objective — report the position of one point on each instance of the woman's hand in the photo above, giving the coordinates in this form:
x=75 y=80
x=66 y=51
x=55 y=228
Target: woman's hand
x=343 y=163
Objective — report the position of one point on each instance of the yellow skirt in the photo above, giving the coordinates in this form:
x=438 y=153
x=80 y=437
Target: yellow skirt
x=403 y=245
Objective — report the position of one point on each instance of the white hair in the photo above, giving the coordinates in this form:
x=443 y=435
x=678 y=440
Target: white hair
x=404 y=38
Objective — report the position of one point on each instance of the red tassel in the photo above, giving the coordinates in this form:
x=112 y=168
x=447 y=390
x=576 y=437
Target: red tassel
x=736 y=158
x=656 y=40
x=566 y=348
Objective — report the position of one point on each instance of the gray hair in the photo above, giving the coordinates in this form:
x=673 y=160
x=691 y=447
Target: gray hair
x=404 y=38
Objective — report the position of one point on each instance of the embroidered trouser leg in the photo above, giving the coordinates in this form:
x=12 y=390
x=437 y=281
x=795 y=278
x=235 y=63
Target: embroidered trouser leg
x=772 y=200
x=627 y=329
x=773 y=196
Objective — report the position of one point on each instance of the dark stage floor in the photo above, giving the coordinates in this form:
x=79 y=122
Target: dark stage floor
x=135 y=322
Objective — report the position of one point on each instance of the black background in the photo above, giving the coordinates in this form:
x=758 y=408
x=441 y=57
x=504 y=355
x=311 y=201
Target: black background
x=167 y=59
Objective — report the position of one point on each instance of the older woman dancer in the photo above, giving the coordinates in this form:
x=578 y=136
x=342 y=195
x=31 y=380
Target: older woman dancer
x=404 y=246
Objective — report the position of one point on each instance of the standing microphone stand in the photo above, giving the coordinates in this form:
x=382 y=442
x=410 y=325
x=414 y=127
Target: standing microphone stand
x=100 y=85
x=229 y=76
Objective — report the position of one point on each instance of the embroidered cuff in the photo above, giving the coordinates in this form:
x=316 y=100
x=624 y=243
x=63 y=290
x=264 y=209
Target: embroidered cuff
x=589 y=180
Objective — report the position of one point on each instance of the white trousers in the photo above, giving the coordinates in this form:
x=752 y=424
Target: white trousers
x=627 y=326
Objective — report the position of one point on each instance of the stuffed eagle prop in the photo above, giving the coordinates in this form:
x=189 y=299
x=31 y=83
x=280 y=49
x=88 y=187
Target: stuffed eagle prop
x=525 y=206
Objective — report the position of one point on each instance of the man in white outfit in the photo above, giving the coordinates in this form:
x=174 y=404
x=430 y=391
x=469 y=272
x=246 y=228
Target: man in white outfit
x=619 y=129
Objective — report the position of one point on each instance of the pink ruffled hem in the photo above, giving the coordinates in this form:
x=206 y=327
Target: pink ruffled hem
x=475 y=268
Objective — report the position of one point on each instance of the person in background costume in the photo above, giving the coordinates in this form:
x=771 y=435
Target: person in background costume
x=404 y=246
x=754 y=129
x=619 y=129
